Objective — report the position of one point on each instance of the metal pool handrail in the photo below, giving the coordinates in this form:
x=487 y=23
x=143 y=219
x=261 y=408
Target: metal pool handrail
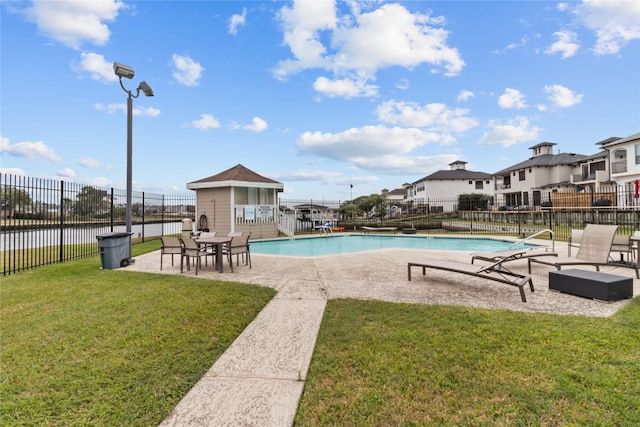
x=547 y=230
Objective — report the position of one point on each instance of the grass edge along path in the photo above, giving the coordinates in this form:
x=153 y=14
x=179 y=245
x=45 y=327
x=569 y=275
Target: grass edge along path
x=85 y=346
x=387 y=364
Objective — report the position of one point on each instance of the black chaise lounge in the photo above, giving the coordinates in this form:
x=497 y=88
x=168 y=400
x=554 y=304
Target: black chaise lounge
x=494 y=271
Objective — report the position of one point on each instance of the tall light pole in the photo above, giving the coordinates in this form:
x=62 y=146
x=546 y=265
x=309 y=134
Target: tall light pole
x=125 y=71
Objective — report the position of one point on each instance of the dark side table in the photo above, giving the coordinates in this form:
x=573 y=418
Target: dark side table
x=591 y=284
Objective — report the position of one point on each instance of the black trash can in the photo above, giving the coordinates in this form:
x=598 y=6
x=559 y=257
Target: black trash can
x=115 y=250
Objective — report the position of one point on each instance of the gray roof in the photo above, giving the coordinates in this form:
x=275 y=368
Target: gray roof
x=608 y=140
x=546 y=160
x=621 y=140
x=397 y=192
x=604 y=154
x=452 y=175
x=542 y=144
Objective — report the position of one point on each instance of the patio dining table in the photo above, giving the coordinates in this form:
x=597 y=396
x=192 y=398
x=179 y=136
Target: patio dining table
x=217 y=243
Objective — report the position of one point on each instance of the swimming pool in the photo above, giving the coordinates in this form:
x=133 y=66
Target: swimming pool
x=332 y=245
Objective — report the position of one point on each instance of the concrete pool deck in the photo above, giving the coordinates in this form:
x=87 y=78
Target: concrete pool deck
x=258 y=381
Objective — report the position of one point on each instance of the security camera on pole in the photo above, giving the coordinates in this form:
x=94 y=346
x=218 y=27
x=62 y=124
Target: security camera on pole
x=127 y=72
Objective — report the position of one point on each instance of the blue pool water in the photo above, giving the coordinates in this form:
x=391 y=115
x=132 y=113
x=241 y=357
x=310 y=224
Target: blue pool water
x=332 y=245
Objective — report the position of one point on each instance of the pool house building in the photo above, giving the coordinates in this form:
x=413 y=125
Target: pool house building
x=237 y=200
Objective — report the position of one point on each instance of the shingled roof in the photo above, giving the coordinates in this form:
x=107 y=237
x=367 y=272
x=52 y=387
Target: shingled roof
x=236 y=176
x=458 y=174
x=454 y=175
x=546 y=160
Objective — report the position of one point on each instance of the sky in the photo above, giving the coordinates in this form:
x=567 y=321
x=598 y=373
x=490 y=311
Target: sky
x=333 y=99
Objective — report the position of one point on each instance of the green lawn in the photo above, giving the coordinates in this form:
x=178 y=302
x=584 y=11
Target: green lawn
x=81 y=346
x=91 y=347
x=383 y=364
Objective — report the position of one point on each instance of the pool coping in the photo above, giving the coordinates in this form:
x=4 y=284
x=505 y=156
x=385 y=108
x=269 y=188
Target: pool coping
x=389 y=236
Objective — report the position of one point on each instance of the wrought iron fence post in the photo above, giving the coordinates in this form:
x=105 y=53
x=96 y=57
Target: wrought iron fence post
x=61 y=247
x=143 y=216
x=162 y=209
x=111 y=207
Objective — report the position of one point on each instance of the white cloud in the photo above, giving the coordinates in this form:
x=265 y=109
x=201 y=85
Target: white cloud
x=257 y=125
x=146 y=111
x=29 y=150
x=110 y=108
x=74 y=22
x=101 y=182
x=566 y=44
x=437 y=117
x=97 y=67
x=89 y=163
x=187 y=71
x=511 y=132
x=327 y=177
x=400 y=39
x=12 y=171
x=615 y=23
x=512 y=98
x=357 y=144
x=237 y=21
x=465 y=95
x=403 y=84
x=301 y=25
x=137 y=111
x=206 y=121
x=513 y=45
x=66 y=173
x=562 y=97
x=402 y=165
x=318 y=39
x=345 y=88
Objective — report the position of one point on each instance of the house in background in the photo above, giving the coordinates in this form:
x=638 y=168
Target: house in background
x=235 y=200
x=546 y=178
x=624 y=164
x=397 y=199
x=529 y=183
x=439 y=189
x=592 y=172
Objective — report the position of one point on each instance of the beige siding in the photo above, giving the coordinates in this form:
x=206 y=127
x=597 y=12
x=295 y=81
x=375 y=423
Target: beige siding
x=215 y=203
x=259 y=231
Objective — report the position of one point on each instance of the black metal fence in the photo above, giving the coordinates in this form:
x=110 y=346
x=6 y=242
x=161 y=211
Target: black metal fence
x=45 y=221
x=476 y=214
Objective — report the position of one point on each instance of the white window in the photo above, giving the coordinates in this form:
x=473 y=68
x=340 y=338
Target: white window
x=619 y=162
x=253 y=196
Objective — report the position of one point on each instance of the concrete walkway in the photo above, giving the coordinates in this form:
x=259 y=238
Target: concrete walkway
x=259 y=380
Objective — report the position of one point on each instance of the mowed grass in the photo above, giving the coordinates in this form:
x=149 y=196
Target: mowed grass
x=384 y=364
x=81 y=346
